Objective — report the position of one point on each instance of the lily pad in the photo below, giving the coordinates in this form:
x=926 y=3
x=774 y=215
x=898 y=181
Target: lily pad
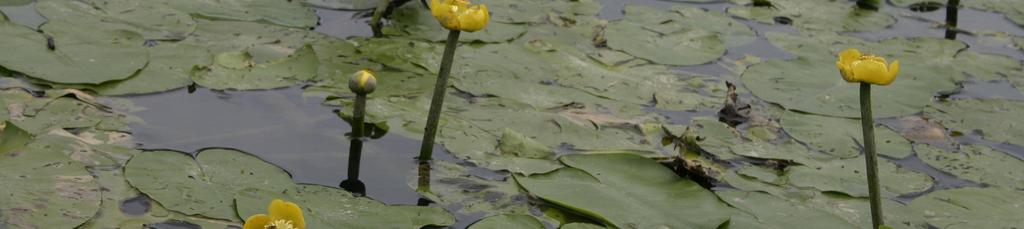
x=787 y=151
x=760 y=210
x=67 y=112
x=453 y=185
x=237 y=70
x=536 y=11
x=580 y=226
x=857 y=210
x=205 y=185
x=976 y=163
x=672 y=39
x=521 y=154
x=842 y=137
x=510 y=221
x=972 y=208
x=127 y=15
x=646 y=196
x=80 y=54
x=839 y=16
x=42 y=184
x=344 y=4
x=325 y=207
x=848 y=176
x=15 y=138
x=169 y=68
x=116 y=192
x=239 y=36
x=412 y=21
x=285 y=13
x=994 y=120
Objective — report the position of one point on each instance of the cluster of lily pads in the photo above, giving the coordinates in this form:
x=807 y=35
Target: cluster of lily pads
x=574 y=108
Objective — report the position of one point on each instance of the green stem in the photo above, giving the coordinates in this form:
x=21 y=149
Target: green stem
x=951 y=18
x=423 y=178
x=358 y=117
x=436 y=103
x=867 y=123
x=375 y=24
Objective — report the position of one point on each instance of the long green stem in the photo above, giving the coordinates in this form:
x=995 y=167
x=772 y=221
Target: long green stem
x=436 y=103
x=375 y=24
x=358 y=117
x=951 y=18
x=867 y=123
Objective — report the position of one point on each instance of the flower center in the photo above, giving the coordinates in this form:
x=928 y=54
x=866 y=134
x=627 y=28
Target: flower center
x=280 y=224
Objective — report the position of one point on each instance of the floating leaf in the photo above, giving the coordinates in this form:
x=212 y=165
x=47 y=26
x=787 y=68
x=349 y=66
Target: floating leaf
x=838 y=16
x=510 y=221
x=205 y=185
x=325 y=207
x=286 y=13
x=454 y=185
x=14 y=138
x=994 y=120
x=976 y=163
x=848 y=176
x=44 y=189
x=237 y=70
x=79 y=54
x=169 y=68
x=972 y=208
x=127 y=15
x=117 y=193
x=651 y=34
x=760 y=210
x=787 y=151
x=645 y=196
x=535 y=11
x=239 y=36
x=842 y=137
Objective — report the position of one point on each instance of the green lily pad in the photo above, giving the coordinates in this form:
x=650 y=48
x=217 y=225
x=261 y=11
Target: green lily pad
x=15 y=138
x=86 y=54
x=972 y=208
x=115 y=190
x=760 y=210
x=647 y=195
x=325 y=207
x=580 y=226
x=989 y=66
x=840 y=16
x=344 y=4
x=787 y=151
x=1013 y=10
x=994 y=120
x=67 y=112
x=511 y=221
x=42 y=184
x=205 y=185
x=842 y=137
x=666 y=37
x=127 y=15
x=848 y=176
x=976 y=163
x=169 y=68
x=238 y=36
x=90 y=147
x=857 y=210
x=413 y=21
x=285 y=13
x=454 y=185
x=237 y=70
x=521 y=154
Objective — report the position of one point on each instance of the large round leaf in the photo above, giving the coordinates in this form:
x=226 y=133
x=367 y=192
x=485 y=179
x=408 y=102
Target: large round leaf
x=205 y=185
x=238 y=70
x=842 y=137
x=286 y=13
x=674 y=41
x=168 y=69
x=976 y=163
x=87 y=54
x=125 y=207
x=43 y=188
x=760 y=210
x=817 y=15
x=454 y=185
x=849 y=176
x=135 y=16
x=325 y=207
x=647 y=195
x=344 y=4
x=994 y=120
x=509 y=221
x=967 y=208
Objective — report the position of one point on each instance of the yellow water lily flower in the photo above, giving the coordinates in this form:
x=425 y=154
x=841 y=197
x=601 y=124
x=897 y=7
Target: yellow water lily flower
x=459 y=15
x=871 y=69
x=363 y=81
x=282 y=215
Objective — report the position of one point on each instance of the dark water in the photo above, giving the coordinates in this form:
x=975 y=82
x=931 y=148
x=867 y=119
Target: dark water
x=308 y=139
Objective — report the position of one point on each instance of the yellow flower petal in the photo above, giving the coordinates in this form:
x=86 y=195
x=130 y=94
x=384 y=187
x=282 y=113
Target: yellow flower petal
x=459 y=15
x=280 y=209
x=869 y=71
x=856 y=67
x=474 y=19
x=257 y=221
x=848 y=56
